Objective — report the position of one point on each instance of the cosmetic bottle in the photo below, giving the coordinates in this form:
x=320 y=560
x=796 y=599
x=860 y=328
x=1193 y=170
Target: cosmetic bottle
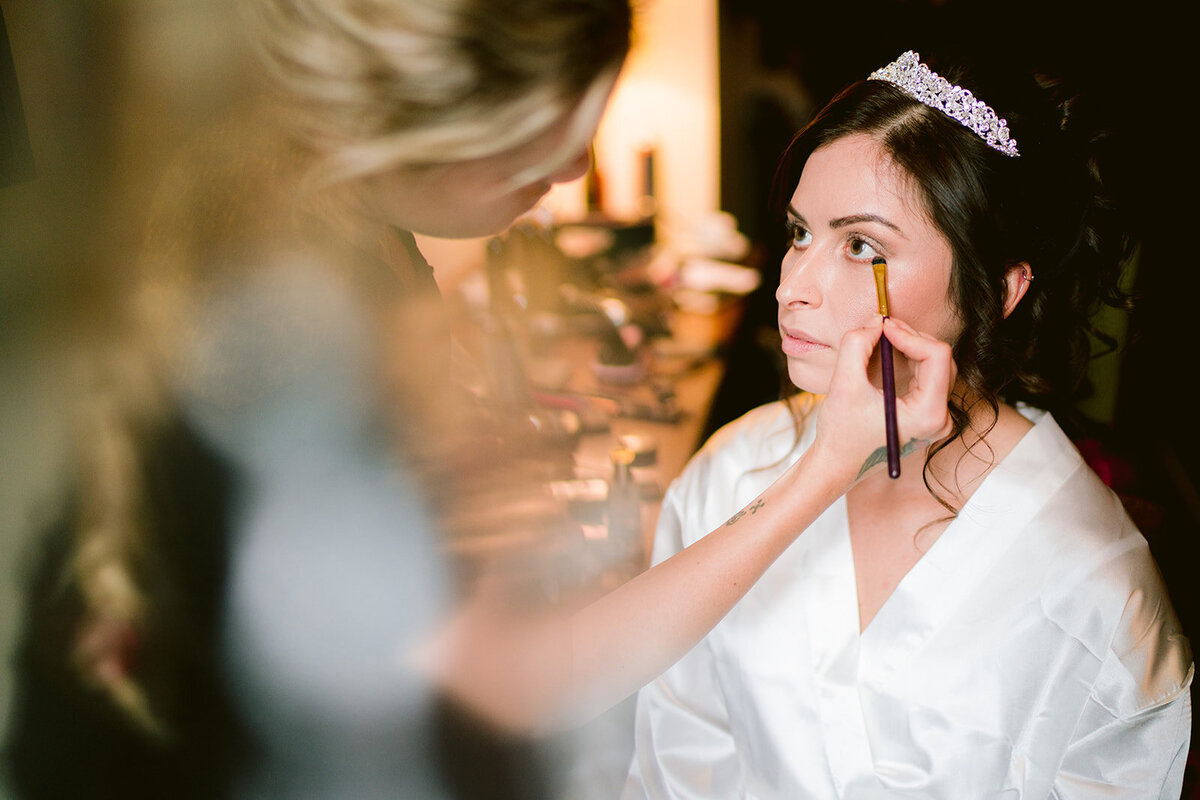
x=623 y=509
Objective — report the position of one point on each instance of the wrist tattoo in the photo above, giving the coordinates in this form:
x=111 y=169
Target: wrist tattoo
x=880 y=456
x=750 y=509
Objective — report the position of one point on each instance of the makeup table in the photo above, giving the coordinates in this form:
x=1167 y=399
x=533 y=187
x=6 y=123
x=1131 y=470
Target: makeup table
x=601 y=354
x=659 y=418
x=657 y=408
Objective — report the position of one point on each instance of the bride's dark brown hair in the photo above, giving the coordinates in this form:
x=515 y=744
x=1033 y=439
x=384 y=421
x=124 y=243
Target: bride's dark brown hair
x=1048 y=208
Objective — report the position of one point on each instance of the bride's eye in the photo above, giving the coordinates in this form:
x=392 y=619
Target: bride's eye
x=860 y=248
x=800 y=236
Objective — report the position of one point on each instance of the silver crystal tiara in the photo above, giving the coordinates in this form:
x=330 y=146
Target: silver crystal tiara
x=918 y=81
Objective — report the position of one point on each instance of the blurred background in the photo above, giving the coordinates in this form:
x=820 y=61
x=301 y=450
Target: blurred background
x=637 y=303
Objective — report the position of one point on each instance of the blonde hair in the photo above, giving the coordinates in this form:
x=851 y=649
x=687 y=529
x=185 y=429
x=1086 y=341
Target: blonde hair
x=372 y=84
x=124 y=402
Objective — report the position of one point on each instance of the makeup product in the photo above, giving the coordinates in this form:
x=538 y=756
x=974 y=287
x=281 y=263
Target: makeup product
x=889 y=374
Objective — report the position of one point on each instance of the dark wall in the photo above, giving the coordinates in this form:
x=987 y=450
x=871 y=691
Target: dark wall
x=16 y=157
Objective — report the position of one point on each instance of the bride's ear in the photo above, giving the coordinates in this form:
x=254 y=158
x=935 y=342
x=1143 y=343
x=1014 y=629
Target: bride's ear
x=1016 y=283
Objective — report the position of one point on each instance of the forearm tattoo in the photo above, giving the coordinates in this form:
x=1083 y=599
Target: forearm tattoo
x=880 y=456
x=750 y=509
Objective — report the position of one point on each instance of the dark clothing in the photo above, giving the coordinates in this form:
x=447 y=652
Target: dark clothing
x=68 y=740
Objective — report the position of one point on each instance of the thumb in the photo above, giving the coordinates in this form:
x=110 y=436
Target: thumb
x=854 y=354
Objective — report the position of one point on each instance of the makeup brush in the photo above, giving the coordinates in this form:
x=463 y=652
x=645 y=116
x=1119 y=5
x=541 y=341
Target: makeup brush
x=879 y=264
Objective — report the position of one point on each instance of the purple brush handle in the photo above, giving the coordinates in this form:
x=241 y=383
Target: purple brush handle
x=889 y=408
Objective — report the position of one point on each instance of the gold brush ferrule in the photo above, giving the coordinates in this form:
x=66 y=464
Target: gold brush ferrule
x=880 y=267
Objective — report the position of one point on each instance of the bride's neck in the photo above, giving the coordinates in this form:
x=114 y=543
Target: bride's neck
x=960 y=466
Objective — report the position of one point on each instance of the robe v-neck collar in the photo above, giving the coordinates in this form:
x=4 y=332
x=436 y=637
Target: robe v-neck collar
x=930 y=593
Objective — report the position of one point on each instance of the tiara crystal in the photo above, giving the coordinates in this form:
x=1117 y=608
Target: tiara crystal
x=919 y=82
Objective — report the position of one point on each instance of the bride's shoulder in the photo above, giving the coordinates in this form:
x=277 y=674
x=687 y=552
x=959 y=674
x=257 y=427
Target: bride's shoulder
x=758 y=438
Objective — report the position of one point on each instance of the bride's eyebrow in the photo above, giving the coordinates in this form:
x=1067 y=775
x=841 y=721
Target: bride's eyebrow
x=856 y=219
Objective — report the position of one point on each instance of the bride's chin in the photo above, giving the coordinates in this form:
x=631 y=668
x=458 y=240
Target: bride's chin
x=807 y=379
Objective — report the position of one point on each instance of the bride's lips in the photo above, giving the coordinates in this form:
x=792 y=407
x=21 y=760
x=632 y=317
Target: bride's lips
x=798 y=343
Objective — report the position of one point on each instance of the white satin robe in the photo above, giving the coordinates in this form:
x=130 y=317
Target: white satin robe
x=1031 y=653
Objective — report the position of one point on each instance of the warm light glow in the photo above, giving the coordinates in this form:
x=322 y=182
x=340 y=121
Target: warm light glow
x=667 y=99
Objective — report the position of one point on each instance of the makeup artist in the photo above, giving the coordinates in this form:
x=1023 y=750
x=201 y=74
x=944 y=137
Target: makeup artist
x=234 y=599
x=990 y=623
